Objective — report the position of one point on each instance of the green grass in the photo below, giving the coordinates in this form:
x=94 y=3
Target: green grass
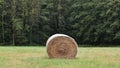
x=36 y=57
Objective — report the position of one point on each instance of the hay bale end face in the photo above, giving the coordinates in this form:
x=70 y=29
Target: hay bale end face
x=61 y=46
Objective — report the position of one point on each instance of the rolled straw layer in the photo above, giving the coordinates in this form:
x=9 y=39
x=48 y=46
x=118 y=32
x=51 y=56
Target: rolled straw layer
x=61 y=46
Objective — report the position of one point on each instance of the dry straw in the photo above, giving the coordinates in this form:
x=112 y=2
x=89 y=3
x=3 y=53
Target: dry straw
x=61 y=46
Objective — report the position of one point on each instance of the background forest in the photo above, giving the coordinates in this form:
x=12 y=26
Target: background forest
x=31 y=22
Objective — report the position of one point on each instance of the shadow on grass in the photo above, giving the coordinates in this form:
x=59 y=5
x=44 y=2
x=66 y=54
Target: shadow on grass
x=60 y=58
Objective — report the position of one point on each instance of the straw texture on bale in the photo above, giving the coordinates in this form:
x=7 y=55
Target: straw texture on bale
x=61 y=46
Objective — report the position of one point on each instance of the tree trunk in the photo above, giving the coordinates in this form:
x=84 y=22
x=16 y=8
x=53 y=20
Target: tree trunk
x=24 y=14
x=13 y=22
x=3 y=21
x=31 y=35
x=13 y=34
x=55 y=15
x=31 y=21
x=3 y=30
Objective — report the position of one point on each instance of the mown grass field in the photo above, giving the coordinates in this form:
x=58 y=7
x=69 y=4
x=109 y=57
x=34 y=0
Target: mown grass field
x=36 y=57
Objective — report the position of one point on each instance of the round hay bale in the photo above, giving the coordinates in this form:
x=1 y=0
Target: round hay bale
x=61 y=46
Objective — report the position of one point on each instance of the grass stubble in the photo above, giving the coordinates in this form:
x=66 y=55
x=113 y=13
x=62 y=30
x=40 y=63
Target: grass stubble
x=36 y=57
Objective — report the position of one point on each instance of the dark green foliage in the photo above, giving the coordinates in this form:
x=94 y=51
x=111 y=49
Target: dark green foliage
x=33 y=21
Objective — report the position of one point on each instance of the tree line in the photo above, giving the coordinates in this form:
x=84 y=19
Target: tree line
x=32 y=22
